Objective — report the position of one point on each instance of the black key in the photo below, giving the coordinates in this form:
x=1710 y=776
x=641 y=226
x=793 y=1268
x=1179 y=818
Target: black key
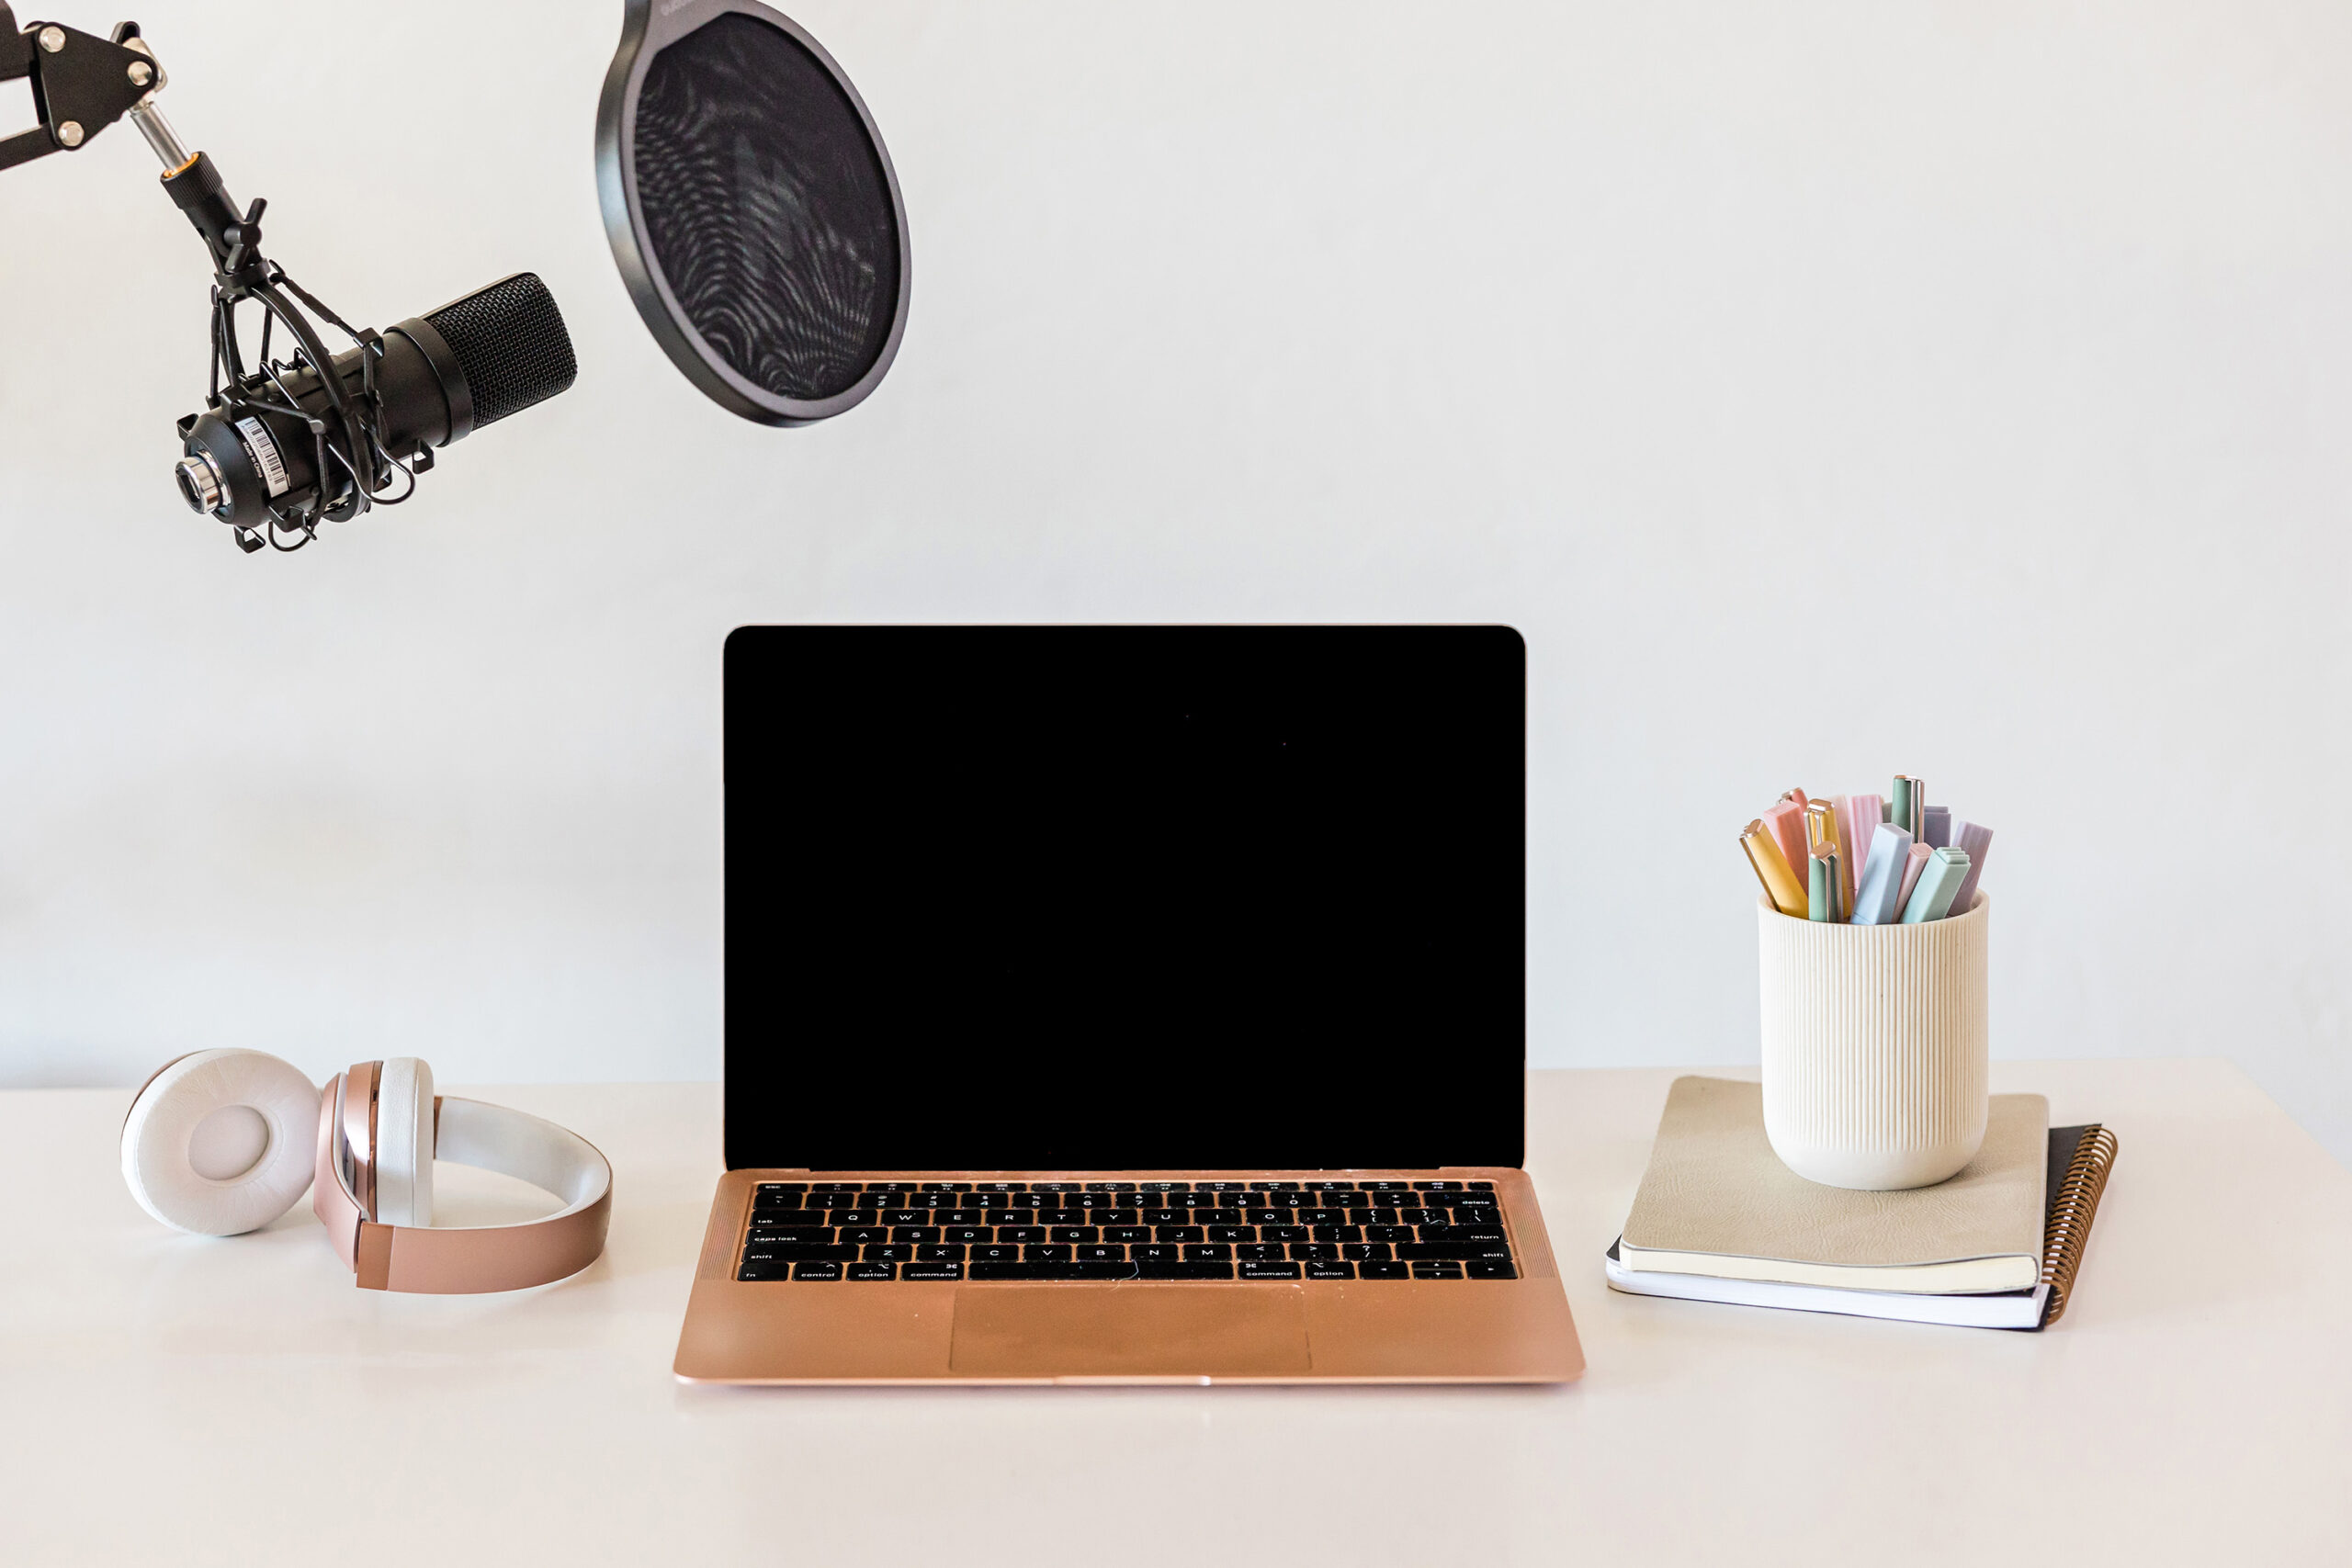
x=1437 y=1187
x=906 y=1216
x=1216 y=1217
x=1490 y=1268
x=1028 y=1200
x=1331 y=1270
x=1266 y=1216
x=1287 y=1232
x=989 y=1199
x=873 y=1272
x=862 y=1234
x=1423 y=1217
x=1183 y=1270
x=1110 y=1187
x=964 y=1236
x=786 y=1219
x=1371 y=1216
x=1061 y=1216
x=1338 y=1233
x=1329 y=1185
x=962 y=1216
x=784 y=1187
x=1044 y=1253
x=1055 y=1186
x=1279 y=1186
x=1481 y=1187
x=1260 y=1252
x=816 y=1270
x=1052 y=1271
x=1126 y=1232
x=890 y=1252
x=1343 y=1200
x=1075 y=1233
x=940 y=1254
x=767 y=1200
x=836 y=1187
x=1388 y=1233
x=1020 y=1234
x=1255 y=1198
x=1388 y=1187
x=1117 y=1216
x=1176 y=1233
x=1321 y=1251
x=1322 y=1216
x=932 y=1272
x=1167 y=1216
x=1211 y=1254
x=1199 y=1198
x=796 y=1252
x=1366 y=1252
x=947 y=1187
x=1149 y=1254
x=915 y=1234
x=1000 y=1186
x=764 y=1271
x=885 y=1198
x=1462 y=1233
x=1231 y=1233
x=1437 y=1272
x=1163 y=1187
x=1269 y=1270
x=1450 y=1252
x=1091 y=1201
x=853 y=1216
x=995 y=1252
x=1384 y=1270
x=1100 y=1253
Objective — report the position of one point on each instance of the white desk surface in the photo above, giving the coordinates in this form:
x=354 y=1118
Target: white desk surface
x=170 y=1400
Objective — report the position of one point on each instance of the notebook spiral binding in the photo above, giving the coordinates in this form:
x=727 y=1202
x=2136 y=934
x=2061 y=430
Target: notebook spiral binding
x=2071 y=1215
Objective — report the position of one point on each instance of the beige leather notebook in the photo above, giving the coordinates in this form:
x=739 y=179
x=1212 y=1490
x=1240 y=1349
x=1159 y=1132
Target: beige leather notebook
x=1717 y=1201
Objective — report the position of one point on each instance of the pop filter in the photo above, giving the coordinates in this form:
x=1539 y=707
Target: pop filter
x=751 y=208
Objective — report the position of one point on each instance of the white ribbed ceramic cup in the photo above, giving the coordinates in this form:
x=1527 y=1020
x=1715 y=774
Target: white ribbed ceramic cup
x=1874 y=1047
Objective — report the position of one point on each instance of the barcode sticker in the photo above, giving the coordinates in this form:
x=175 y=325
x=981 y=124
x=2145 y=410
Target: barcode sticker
x=264 y=448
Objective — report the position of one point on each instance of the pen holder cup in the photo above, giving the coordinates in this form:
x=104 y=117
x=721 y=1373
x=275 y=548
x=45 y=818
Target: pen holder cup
x=1874 y=1047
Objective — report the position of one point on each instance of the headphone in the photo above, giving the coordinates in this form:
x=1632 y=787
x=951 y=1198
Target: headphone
x=219 y=1142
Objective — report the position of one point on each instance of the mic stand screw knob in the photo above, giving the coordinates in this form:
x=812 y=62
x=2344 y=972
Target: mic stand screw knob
x=141 y=73
x=52 y=40
x=69 y=134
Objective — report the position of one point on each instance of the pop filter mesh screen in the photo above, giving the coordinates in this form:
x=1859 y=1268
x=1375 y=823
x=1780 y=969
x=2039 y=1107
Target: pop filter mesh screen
x=767 y=206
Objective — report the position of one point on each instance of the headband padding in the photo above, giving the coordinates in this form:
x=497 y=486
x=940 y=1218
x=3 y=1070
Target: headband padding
x=404 y=1143
x=164 y=1120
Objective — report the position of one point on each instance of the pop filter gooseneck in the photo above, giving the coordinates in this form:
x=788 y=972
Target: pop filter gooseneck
x=753 y=209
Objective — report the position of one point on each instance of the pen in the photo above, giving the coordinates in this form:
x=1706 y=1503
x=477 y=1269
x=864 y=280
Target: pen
x=1857 y=817
x=1978 y=843
x=1909 y=802
x=1772 y=870
x=1823 y=898
x=1912 y=865
x=1822 y=830
x=1785 y=821
x=1939 y=826
x=1875 y=904
x=1947 y=869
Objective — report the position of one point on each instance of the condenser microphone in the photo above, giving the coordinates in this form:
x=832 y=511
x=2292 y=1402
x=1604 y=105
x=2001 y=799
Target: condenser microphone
x=275 y=448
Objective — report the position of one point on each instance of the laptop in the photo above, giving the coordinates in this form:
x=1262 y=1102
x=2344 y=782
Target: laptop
x=1126 y=1004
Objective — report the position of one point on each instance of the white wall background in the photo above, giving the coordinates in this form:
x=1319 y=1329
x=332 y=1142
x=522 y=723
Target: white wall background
x=1826 y=389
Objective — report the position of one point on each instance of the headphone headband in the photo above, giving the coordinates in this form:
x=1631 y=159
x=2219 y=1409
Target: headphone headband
x=449 y=1260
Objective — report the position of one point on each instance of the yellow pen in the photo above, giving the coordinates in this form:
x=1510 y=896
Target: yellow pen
x=1772 y=870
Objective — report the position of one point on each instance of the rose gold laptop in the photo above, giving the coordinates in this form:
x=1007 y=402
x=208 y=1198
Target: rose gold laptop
x=1126 y=1004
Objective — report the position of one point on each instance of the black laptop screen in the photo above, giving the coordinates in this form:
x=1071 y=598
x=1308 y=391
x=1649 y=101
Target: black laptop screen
x=1125 y=898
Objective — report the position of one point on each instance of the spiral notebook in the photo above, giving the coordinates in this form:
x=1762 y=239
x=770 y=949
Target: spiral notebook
x=2079 y=1161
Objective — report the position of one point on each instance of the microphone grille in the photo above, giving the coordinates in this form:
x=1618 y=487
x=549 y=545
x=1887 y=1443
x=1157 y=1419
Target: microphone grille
x=510 y=341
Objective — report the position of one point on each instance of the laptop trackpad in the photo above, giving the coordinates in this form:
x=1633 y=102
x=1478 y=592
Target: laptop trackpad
x=1130 y=1330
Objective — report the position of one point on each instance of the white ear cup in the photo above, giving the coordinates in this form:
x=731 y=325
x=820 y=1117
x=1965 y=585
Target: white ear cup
x=221 y=1142
x=404 y=1143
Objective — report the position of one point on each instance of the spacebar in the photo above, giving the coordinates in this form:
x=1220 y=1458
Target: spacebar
x=1050 y=1271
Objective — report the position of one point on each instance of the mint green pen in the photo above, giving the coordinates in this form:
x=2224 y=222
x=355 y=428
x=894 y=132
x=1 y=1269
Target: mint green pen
x=1940 y=879
x=1821 y=896
x=1908 y=807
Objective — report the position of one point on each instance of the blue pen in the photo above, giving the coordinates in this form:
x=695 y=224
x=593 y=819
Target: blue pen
x=1939 y=882
x=1874 y=901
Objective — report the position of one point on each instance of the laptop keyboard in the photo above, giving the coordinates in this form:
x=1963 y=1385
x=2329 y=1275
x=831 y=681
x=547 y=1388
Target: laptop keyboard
x=831 y=1231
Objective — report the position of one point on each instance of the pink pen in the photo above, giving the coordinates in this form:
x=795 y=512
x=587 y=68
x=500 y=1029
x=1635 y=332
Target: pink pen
x=1911 y=867
x=1785 y=822
x=1859 y=816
